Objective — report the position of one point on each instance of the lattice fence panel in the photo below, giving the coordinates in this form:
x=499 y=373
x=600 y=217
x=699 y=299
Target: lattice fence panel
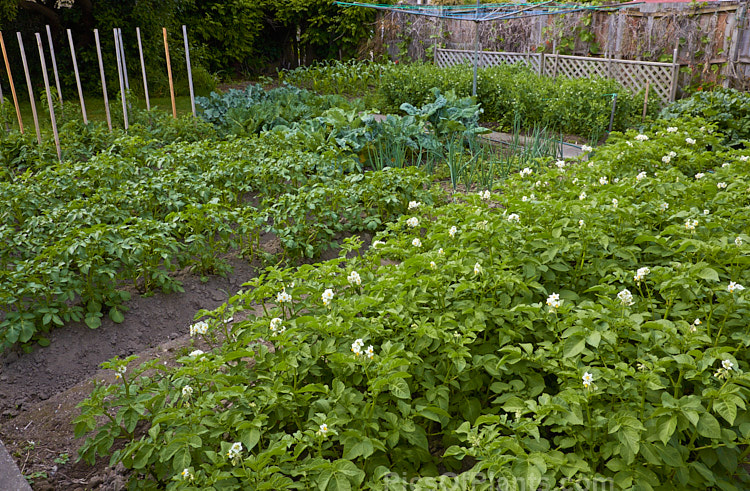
x=633 y=75
x=449 y=57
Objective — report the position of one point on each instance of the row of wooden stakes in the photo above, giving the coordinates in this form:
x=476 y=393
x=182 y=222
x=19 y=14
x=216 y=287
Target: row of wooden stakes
x=121 y=70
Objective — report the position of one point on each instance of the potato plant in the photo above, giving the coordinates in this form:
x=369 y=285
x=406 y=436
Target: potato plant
x=584 y=322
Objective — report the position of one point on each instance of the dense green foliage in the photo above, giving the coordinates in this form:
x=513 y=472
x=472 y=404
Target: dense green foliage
x=76 y=232
x=435 y=352
x=508 y=94
x=728 y=109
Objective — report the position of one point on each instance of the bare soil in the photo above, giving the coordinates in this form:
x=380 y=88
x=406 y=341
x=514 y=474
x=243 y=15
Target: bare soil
x=39 y=391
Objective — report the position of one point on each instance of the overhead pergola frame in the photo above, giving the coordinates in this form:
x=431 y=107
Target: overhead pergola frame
x=487 y=12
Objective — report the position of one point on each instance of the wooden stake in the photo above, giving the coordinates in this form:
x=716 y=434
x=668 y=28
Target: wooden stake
x=49 y=96
x=119 y=76
x=169 y=73
x=189 y=70
x=54 y=65
x=143 y=69
x=104 y=82
x=78 y=78
x=122 y=58
x=12 y=86
x=31 y=90
x=645 y=100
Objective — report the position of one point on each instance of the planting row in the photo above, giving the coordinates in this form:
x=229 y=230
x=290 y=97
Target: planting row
x=75 y=233
x=586 y=322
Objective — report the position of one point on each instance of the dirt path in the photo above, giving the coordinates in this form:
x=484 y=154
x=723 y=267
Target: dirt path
x=39 y=391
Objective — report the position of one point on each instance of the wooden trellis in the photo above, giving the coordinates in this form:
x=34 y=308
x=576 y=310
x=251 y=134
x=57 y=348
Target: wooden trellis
x=633 y=75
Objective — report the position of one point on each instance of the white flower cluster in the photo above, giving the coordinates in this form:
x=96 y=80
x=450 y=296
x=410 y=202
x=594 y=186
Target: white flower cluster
x=414 y=204
x=477 y=268
x=726 y=367
x=416 y=242
x=664 y=206
x=485 y=194
x=603 y=181
x=641 y=175
x=625 y=297
x=452 y=231
x=120 y=371
x=641 y=138
x=354 y=278
x=582 y=196
x=734 y=287
x=357 y=346
x=725 y=164
x=412 y=222
x=196 y=353
x=744 y=158
x=327 y=296
x=672 y=129
x=200 y=327
x=738 y=241
x=187 y=391
x=554 y=301
x=276 y=326
x=587 y=379
x=641 y=274
x=187 y=475
x=615 y=202
x=526 y=172
x=513 y=217
x=721 y=185
x=586 y=148
x=560 y=164
x=323 y=430
x=699 y=175
x=690 y=141
x=235 y=451
x=283 y=297
x=690 y=224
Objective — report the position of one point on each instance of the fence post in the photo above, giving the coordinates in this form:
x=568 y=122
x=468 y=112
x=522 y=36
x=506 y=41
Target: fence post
x=169 y=73
x=118 y=55
x=189 y=70
x=541 y=64
x=675 y=76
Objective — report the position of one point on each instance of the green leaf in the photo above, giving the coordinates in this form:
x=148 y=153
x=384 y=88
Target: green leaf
x=400 y=389
x=116 y=315
x=666 y=429
x=726 y=410
x=708 y=426
x=709 y=274
x=93 y=321
x=360 y=448
x=574 y=345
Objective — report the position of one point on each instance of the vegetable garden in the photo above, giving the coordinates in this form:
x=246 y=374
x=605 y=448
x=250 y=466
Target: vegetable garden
x=516 y=323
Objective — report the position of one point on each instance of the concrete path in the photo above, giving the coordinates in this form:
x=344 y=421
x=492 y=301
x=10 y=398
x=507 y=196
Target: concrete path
x=570 y=150
x=11 y=478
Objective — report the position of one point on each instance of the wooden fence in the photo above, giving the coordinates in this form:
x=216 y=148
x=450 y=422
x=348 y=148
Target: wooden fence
x=633 y=75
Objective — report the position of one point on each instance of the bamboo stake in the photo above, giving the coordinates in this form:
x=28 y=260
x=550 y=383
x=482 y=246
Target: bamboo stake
x=12 y=86
x=122 y=57
x=143 y=69
x=78 y=78
x=189 y=70
x=645 y=100
x=54 y=65
x=169 y=73
x=49 y=96
x=104 y=82
x=31 y=90
x=119 y=76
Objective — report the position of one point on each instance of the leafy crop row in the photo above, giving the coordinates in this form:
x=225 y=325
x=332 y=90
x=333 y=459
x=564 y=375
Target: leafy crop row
x=586 y=322
x=76 y=234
